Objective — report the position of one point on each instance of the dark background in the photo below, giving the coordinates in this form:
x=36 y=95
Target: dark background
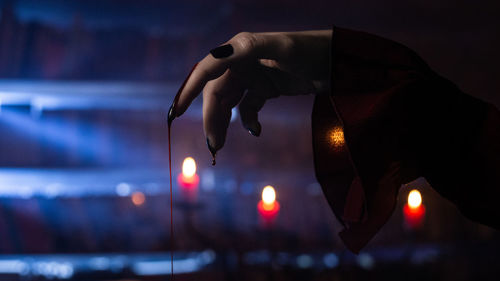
x=159 y=40
x=84 y=89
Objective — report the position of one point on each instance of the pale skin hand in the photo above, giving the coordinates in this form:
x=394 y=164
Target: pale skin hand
x=262 y=66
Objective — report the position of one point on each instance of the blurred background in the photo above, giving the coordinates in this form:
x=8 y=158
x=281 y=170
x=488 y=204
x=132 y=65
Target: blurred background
x=84 y=194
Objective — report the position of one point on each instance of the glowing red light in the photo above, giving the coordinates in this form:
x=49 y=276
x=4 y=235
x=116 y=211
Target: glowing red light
x=268 y=210
x=188 y=180
x=414 y=210
x=268 y=207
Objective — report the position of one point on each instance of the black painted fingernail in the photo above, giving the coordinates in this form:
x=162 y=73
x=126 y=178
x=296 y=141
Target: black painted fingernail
x=171 y=114
x=212 y=151
x=253 y=133
x=223 y=51
x=254 y=129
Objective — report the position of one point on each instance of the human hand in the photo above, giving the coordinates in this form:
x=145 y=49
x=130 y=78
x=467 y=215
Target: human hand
x=249 y=69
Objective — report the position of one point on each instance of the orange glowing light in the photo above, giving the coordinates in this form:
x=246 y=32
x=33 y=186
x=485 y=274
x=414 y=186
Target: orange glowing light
x=414 y=199
x=188 y=167
x=138 y=198
x=268 y=211
x=268 y=207
x=336 y=137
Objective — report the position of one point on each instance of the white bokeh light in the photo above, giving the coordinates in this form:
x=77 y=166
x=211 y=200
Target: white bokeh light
x=268 y=195
x=414 y=199
x=188 y=167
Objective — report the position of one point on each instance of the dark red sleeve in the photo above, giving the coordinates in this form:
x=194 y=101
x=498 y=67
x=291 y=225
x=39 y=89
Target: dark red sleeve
x=389 y=120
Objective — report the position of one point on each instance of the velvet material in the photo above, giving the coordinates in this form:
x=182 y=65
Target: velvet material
x=398 y=121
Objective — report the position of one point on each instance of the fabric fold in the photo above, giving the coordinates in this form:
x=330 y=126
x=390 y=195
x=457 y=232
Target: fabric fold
x=399 y=121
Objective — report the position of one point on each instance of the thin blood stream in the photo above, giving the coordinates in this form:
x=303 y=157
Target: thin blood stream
x=171 y=117
x=171 y=207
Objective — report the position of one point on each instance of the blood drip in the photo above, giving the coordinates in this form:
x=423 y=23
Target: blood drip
x=171 y=207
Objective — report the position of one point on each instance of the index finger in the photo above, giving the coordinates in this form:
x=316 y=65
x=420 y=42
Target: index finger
x=244 y=46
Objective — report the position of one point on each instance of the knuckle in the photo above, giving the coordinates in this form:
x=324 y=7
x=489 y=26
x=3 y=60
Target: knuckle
x=246 y=41
x=213 y=91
